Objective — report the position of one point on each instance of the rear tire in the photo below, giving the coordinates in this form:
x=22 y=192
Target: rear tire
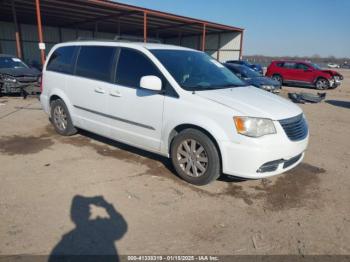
x=60 y=118
x=195 y=157
x=322 y=84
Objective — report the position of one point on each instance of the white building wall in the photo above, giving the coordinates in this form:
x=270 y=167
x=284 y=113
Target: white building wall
x=228 y=55
x=231 y=41
x=224 y=46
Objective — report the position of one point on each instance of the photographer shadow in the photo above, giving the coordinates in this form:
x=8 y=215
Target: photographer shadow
x=91 y=239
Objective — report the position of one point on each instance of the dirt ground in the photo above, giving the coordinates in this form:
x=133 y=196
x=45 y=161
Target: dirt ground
x=48 y=181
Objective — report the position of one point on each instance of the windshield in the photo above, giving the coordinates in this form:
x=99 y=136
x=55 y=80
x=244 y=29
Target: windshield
x=247 y=72
x=196 y=71
x=316 y=66
x=11 y=62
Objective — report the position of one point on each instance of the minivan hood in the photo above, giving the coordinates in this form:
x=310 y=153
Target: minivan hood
x=254 y=102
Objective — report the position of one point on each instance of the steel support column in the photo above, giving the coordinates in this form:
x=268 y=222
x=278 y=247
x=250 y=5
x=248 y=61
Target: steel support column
x=203 y=37
x=17 y=33
x=145 y=27
x=40 y=30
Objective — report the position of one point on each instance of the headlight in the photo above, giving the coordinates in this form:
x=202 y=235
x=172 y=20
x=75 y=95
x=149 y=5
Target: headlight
x=266 y=87
x=9 y=79
x=254 y=127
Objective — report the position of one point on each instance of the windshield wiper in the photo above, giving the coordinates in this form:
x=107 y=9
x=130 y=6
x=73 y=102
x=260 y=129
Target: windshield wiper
x=195 y=87
x=205 y=87
x=226 y=86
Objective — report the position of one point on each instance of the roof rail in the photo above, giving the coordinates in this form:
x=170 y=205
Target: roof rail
x=134 y=38
x=120 y=38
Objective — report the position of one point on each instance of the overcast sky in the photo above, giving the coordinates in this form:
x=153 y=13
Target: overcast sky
x=293 y=27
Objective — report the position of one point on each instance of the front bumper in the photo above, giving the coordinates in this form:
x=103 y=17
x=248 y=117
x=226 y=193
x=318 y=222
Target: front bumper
x=16 y=87
x=333 y=83
x=251 y=160
x=44 y=100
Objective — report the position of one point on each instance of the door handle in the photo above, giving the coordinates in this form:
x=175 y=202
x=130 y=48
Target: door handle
x=115 y=93
x=99 y=90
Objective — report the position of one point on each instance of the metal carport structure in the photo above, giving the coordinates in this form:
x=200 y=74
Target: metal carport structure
x=56 y=21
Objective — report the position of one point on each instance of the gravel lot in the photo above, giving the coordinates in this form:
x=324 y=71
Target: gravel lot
x=48 y=181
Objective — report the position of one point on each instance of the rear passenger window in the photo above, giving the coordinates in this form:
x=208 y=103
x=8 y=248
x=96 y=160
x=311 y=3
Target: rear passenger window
x=62 y=60
x=132 y=66
x=95 y=62
x=289 y=65
x=302 y=66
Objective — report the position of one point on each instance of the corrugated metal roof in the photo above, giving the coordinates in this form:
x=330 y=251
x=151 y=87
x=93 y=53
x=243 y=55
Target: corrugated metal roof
x=111 y=16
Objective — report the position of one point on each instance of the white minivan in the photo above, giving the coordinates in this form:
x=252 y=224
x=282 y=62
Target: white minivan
x=176 y=102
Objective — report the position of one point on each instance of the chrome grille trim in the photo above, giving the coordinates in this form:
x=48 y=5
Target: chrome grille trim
x=295 y=127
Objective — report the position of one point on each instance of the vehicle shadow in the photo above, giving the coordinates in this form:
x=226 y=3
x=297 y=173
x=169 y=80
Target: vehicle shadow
x=165 y=162
x=91 y=239
x=130 y=149
x=339 y=103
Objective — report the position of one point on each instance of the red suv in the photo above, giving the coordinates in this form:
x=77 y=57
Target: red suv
x=303 y=73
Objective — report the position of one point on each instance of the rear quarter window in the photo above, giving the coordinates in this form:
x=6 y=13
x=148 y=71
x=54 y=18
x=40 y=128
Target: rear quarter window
x=62 y=60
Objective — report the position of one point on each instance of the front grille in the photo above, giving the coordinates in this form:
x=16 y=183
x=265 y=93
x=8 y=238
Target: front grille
x=296 y=127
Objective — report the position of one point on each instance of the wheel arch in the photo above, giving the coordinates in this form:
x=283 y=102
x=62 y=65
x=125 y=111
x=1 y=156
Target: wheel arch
x=58 y=94
x=320 y=77
x=182 y=127
x=277 y=74
x=53 y=98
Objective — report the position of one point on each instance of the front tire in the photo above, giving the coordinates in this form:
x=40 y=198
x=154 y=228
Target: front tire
x=61 y=119
x=322 y=84
x=195 y=157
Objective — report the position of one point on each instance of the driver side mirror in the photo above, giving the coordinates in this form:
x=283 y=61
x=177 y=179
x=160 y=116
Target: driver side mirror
x=153 y=83
x=308 y=70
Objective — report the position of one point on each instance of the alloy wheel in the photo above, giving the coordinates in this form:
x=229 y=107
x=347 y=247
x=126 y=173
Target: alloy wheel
x=60 y=118
x=322 y=84
x=192 y=158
